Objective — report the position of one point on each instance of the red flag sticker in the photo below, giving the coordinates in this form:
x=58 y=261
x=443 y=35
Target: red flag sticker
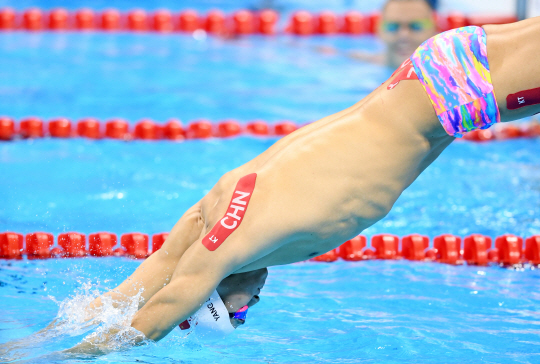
x=404 y=72
x=234 y=215
x=185 y=325
x=523 y=98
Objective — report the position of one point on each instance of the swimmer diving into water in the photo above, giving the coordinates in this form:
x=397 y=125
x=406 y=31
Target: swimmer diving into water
x=330 y=180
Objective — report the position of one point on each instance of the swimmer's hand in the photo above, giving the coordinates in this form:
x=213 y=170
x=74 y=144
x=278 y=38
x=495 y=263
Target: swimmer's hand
x=19 y=348
x=104 y=342
x=87 y=348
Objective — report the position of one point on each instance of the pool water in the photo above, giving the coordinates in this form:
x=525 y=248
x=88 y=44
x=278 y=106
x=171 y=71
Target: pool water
x=376 y=311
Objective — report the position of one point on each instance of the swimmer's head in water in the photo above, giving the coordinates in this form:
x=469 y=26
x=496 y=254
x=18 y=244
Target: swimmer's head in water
x=405 y=24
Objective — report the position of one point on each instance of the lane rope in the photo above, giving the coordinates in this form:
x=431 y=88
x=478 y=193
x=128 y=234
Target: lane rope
x=475 y=249
x=240 y=22
x=174 y=130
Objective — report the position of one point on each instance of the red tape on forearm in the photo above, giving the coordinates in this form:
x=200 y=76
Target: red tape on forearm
x=235 y=213
x=404 y=72
x=523 y=98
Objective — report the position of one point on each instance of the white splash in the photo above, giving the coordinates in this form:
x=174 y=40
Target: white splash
x=75 y=318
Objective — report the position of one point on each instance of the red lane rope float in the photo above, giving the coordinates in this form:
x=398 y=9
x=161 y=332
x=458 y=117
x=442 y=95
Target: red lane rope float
x=241 y=22
x=39 y=245
x=138 y=20
x=504 y=131
x=508 y=250
x=146 y=129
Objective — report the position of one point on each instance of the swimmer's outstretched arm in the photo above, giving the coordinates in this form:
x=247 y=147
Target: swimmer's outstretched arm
x=191 y=284
x=156 y=271
x=195 y=278
x=357 y=55
x=153 y=274
x=236 y=291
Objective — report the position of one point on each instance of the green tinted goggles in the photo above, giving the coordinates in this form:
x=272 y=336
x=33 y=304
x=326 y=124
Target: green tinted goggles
x=414 y=26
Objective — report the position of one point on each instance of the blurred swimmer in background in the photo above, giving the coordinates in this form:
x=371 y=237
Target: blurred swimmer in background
x=404 y=25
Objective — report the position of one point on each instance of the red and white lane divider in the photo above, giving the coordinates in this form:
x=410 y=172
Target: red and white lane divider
x=240 y=22
x=147 y=129
x=38 y=245
x=477 y=249
x=138 y=20
x=355 y=23
x=504 y=131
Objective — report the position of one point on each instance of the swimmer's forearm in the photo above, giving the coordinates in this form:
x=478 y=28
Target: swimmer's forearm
x=172 y=305
x=119 y=339
x=154 y=273
x=86 y=348
x=93 y=310
x=155 y=320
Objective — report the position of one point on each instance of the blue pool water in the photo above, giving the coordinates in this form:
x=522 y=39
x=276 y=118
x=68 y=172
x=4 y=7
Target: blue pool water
x=374 y=312
x=378 y=311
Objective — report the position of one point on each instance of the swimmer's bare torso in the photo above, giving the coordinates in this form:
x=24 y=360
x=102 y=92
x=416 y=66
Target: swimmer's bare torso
x=330 y=180
x=318 y=187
